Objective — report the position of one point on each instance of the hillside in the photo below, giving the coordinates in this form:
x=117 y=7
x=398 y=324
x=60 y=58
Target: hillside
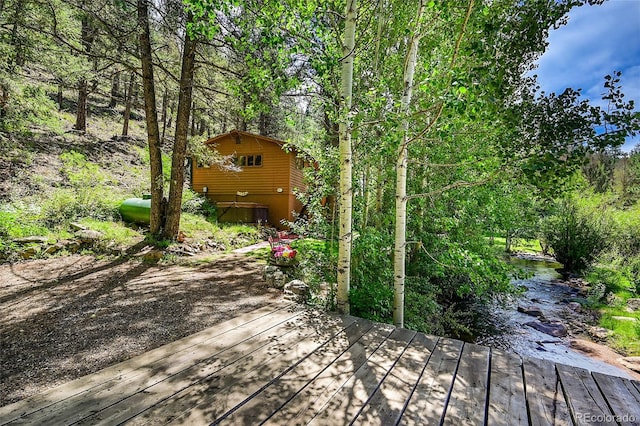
x=55 y=180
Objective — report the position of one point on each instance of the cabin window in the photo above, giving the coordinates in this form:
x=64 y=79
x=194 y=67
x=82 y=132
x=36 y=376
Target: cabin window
x=252 y=160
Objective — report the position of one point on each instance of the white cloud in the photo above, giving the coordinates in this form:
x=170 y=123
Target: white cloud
x=596 y=41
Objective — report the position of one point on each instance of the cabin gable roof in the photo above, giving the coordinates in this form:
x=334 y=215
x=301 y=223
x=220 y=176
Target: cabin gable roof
x=246 y=135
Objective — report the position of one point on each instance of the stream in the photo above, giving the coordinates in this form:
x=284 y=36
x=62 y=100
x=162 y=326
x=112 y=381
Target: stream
x=506 y=328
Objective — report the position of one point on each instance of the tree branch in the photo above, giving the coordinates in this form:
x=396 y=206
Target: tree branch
x=455 y=185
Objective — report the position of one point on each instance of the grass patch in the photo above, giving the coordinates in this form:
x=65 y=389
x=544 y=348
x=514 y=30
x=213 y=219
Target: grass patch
x=17 y=225
x=626 y=333
x=519 y=245
x=232 y=236
x=115 y=232
x=197 y=227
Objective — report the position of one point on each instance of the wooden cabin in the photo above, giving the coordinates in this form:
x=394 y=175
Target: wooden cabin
x=263 y=190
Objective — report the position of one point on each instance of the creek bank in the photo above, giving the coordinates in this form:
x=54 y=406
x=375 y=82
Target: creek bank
x=548 y=320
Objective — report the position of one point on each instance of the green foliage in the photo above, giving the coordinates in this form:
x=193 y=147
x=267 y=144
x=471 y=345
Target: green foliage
x=317 y=260
x=88 y=196
x=17 y=224
x=27 y=106
x=194 y=203
x=371 y=293
x=80 y=172
x=196 y=226
x=605 y=280
x=626 y=333
x=576 y=234
x=373 y=301
x=114 y=232
x=65 y=205
x=237 y=235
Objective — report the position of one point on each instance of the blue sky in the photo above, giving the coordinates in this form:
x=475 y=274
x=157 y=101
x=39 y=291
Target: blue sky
x=596 y=41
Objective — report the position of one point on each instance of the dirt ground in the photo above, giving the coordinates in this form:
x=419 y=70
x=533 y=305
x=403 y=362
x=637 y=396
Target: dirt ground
x=63 y=318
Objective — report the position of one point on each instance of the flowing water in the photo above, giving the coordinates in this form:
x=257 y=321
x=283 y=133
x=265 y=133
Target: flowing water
x=506 y=328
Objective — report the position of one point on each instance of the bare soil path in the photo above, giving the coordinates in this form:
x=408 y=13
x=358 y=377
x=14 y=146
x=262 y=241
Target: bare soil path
x=63 y=318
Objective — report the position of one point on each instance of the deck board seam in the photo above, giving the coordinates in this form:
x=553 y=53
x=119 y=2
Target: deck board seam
x=364 y=332
x=273 y=380
x=488 y=392
x=526 y=393
x=328 y=401
x=415 y=386
x=201 y=379
x=8 y=409
x=606 y=400
x=395 y=362
x=451 y=385
x=187 y=367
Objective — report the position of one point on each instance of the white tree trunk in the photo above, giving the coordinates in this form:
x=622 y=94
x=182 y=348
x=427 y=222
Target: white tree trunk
x=399 y=254
x=346 y=187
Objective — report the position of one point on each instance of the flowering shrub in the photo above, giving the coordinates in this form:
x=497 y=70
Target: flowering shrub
x=283 y=252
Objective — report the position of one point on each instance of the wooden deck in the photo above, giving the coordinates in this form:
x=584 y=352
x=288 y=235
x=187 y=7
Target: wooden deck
x=283 y=365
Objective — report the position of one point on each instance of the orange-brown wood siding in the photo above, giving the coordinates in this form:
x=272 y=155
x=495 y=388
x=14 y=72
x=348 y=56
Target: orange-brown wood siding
x=278 y=170
x=297 y=176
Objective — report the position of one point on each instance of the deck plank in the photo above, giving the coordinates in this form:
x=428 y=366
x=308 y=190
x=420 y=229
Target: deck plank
x=586 y=403
x=389 y=400
x=100 y=397
x=467 y=404
x=346 y=403
x=622 y=397
x=230 y=390
x=278 y=365
x=507 y=402
x=428 y=402
x=286 y=387
x=303 y=407
x=199 y=394
x=115 y=372
x=547 y=406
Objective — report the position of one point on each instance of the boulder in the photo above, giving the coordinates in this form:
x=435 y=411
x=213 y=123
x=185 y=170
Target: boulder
x=574 y=306
x=631 y=362
x=599 y=333
x=77 y=226
x=54 y=248
x=89 y=236
x=629 y=319
x=555 y=329
x=33 y=239
x=72 y=246
x=279 y=279
x=296 y=291
x=153 y=256
x=533 y=310
x=268 y=271
x=633 y=305
x=29 y=252
x=274 y=277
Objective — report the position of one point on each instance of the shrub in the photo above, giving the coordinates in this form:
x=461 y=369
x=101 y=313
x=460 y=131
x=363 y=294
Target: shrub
x=194 y=203
x=373 y=301
x=371 y=293
x=66 y=205
x=27 y=105
x=317 y=261
x=575 y=235
x=613 y=279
